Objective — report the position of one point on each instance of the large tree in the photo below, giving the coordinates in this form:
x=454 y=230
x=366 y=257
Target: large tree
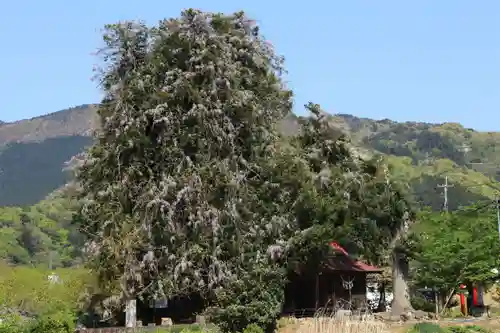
x=172 y=188
x=456 y=248
x=189 y=185
x=349 y=199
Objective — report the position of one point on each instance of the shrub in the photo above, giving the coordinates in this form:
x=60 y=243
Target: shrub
x=185 y=328
x=256 y=298
x=467 y=329
x=253 y=328
x=453 y=313
x=421 y=303
x=12 y=323
x=285 y=322
x=52 y=324
x=191 y=329
x=427 y=328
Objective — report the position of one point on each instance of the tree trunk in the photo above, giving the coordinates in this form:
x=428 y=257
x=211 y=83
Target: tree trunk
x=448 y=299
x=316 y=296
x=436 y=301
x=401 y=301
x=442 y=299
x=382 y=301
x=131 y=313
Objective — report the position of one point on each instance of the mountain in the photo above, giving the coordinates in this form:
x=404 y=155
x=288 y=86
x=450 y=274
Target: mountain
x=33 y=153
x=422 y=155
x=35 y=219
x=76 y=121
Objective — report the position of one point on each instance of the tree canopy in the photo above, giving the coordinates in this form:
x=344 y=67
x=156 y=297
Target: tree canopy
x=171 y=189
x=191 y=189
x=456 y=248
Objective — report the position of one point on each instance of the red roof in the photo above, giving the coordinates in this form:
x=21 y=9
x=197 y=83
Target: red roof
x=345 y=263
x=339 y=248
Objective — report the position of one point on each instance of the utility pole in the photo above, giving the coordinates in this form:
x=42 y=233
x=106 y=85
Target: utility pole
x=465 y=148
x=445 y=187
x=427 y=158
x=497 y=201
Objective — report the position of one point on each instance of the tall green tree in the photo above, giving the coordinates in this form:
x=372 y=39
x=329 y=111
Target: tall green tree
x=172 y=188
x=455 y=248
x=349 y=199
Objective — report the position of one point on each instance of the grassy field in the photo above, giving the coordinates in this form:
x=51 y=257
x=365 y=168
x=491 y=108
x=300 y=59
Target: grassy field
x=331 y=325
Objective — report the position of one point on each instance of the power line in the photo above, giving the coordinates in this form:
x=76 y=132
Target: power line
x=476 y=209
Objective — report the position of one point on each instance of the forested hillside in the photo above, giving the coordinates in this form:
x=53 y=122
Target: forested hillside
x=423 y=154
x=40 y=234
x=32 y=170
x=33 y=153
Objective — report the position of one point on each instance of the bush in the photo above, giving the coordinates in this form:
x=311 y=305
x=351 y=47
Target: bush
x=421 y=303
x=256 y=298
x=253 y=328
x=191 y=329
x=12 y=324
x=285 y=322
x=185 y=328
x=453 y=313
x=53 y=324
x=236 y=317
x=427 y=328
x=467 y=329
x=59 y=323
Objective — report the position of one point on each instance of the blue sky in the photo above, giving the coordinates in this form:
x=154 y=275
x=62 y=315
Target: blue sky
x=421 y=60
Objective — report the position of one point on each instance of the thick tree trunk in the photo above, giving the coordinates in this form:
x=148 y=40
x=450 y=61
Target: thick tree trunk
x=401 y=301
x=130 y=295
